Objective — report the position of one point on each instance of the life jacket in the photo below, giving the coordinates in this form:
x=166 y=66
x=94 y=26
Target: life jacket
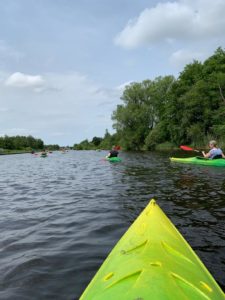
x=215 y=153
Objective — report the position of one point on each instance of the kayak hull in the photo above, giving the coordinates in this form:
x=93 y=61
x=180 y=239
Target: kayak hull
x=200 y=161
x=113 y=159
x=152 y=261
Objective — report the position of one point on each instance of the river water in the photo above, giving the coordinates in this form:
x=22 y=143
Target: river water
x=61 y=215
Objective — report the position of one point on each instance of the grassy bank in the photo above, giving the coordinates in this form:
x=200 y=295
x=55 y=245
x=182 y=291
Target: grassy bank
x=16 y=151
x=167 y=146
x=8 y=152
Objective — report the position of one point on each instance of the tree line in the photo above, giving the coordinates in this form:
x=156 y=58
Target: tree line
x=169 y=111
x=105 y=142
x=26 y=143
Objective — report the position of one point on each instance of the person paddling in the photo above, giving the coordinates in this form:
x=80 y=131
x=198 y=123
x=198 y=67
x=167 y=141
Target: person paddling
x=113 y=152
x=214 y=152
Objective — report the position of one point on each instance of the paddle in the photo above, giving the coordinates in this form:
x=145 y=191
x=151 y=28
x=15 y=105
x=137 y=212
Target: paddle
x=186 y=148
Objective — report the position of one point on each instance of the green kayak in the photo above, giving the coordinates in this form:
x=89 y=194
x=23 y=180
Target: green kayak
x=113 y=159
x=152 y=261
x=200 y=161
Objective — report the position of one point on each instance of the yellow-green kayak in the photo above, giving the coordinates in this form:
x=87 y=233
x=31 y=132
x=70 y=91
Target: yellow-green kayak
x=200 y=161
x=152 y=261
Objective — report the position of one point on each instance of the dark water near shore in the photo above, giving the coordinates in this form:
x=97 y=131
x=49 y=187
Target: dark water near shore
x=61 y=215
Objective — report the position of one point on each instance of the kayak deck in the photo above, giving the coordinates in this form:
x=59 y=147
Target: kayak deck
x=152 y=261
x=200 y=161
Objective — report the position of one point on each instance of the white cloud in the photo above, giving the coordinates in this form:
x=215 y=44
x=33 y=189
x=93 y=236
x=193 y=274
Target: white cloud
x=183 y=56
x=67 y=112
x=171 y=21
x=22 y=80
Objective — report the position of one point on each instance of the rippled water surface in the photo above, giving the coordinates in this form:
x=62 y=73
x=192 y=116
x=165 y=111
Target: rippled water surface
x=61 y=215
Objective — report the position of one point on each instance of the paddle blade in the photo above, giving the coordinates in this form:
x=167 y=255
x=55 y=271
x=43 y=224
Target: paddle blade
x=186 y=148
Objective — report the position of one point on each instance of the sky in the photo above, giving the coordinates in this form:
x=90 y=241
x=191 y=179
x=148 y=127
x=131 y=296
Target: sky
x=64 y=64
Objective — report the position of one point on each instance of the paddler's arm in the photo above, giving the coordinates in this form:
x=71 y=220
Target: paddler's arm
x=206 y=155
x=108 y=155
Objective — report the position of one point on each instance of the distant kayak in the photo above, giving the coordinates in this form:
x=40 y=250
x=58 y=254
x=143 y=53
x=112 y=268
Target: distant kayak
x=152 y=261
x=43 y=155
x=113 y=159
x=200 y=161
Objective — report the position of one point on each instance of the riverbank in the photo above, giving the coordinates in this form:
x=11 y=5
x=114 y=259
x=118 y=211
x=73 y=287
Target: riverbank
x=10 y=152
x=167 y=146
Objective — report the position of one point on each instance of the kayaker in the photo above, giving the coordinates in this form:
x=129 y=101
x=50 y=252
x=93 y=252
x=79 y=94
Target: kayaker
x=43 y=152
x=214 y=152
x=113 y=152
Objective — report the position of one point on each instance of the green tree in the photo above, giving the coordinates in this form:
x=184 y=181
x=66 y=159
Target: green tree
x=189 y=109
x=96 y=141
x=144 y=107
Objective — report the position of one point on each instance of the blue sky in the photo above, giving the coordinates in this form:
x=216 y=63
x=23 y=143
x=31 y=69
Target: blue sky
x=63 y=63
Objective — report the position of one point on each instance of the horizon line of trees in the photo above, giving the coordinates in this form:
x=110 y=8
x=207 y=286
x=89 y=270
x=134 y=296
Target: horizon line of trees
x=189 y=109
x=105 y=142
x=26 y=143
